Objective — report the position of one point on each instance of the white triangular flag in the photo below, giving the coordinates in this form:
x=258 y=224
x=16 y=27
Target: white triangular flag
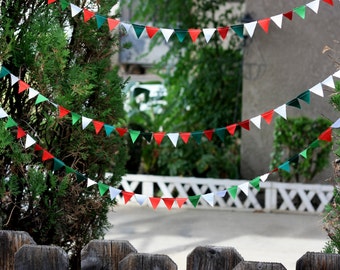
x=221 y=193
x=114 y=192
x=314 y=5
x=256 y=121
x=29 y=141
x=85 y=121
x=167 y=33
x=337 y=74
x=75 y=10
x=14 y=79
x=336 y=124
x=91 y=182
x=250 y=27
x=3 y=114
x=244 y=187
x=173 y=138
x=208 y=33
x=264 y=177
x=277 y=19
x=127 y=26
x=317 y=89
x=329 y=82
x=209 y=198
x=32 y=93
x=282 y=111
x=140 y=198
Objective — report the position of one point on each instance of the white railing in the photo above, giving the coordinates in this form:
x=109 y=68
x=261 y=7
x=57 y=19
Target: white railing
x=272 y=196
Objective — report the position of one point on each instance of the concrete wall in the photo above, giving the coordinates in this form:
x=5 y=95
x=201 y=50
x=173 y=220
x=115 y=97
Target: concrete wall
x=280 y=65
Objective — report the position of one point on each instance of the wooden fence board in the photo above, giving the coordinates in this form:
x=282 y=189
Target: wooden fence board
x=318 y=261
x=144 y=261
x=248 y=265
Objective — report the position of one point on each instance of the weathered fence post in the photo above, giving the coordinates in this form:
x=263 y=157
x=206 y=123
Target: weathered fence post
x=105 y=254
x=213 y=258
x=318 y=261
x=41 y=257
x=143 y=261
x=247 y=265
x=10 y=242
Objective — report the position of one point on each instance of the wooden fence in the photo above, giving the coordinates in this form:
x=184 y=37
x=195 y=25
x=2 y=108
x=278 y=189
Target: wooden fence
x=19 y=252
x=272 y=196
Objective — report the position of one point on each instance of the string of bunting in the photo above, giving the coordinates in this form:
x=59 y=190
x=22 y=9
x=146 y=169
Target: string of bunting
x=151 y=31
x=220 y=132
x=103 y=188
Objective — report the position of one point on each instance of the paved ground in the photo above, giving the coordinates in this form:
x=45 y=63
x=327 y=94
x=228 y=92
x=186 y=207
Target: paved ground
x=266 y=237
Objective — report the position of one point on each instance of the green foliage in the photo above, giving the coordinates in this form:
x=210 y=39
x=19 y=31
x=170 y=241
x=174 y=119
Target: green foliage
x=292 y=134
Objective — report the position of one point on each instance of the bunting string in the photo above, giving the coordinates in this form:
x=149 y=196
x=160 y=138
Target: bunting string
x=150 y=31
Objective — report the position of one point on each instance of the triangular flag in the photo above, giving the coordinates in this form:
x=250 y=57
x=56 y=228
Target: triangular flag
x=70 y=170
x=268 y=116
x=245 y=188
x=233 y=191
x=4 y=72
x=181 y=201
x=126 y=26
x=301 y=11
x=158 y=136
x=151 y=31
x=194 y=199
x=168 y=202
x=51 y=1
x=185 y=136
x=255 y=183
x=80 y=177
x=108 y=129
x=75 y=118
x=220 y=132
x=330 y=2
x=138 y=29
x=10 y=123
x=29 y=141
x=140 y=198
x=85 y=121
x=167 y=33
x=209 y=198
x=282 y=111
x=231 y=129
x=114 y=192
x=127 y=196
x=238 y=29
x=103 y=188
x=277 y=19
x=209 y=133
x=90 y=182
x=294 y=103
x=326 y=135
x=194 y=33
x=100 y=20
x=336 y=124
x=14 y=79
x=221 y=193
x=337 y=74
x=97 y=125
x=147 y=136
x=264 y=23
x=20 y=133
x=317 y=89
x=3 y=114
x=264 y=177
x=173 y=138
x=314 y=5
x=329 y=82
x=305 y=96
x=40 y=99
x=256 y=121
x=289 y=15
x=223 y=31
x=304 y=153
x=250 y=27
x=37 y=147
x=285 y=166
x=154 y=201
x=32 y=93
x=22 y=86
x=197 y=135
x=134 y=134
x=57 y=164
x=121 y=131
x=245 y=124
x=208 y=33
x=46 y=155
x=87 y=14
x=64 y=4
x=181 y=33
x=75 y=10
x=315 y=144
x=63 y=111
x=112 y=23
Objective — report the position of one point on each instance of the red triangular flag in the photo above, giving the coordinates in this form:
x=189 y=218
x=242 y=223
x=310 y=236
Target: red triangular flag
x=326 y=135
x=154 y=201
x=194 y=33
x=209 y=133
x=231 y=129
x=22 y=86
x=168 y=202
x=289 y=15
x=264 y=23
x=268 y=116
x=21 y=133
x=185 y=136
x=51 y=1
x=37 y=147
x=46 y=155
x=127 y=196
x=63 y=111
x=97 y=125
x=181 y=201
x=223 y=31
x=329 y=2
x=151 y=31
x=158 y=136
x=245 y=124
x=87 y=14
x=112 y=23
x=121 y=131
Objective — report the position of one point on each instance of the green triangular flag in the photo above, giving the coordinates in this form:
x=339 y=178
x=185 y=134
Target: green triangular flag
x=64 y=4
x=4 y=72
x=233 y=191
x=294 y=103
x=138 y=29
x=220 y=132
x=10 y=123
x=108 y=129
x=40 y=98
x=147 y=136
x=100 y=20
x=315 y=144
x=304 y=153
x=69 y=169
x=180 y=33
x=305 y=96
x=194 y=199
x=102 y=188
x=238 y=29
x=301 y=11
x=134 y=134
x=80 y=177
x=285 y=166
x=75 y=117
x=256 y=183
x=57 y=164
x=197 y=135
